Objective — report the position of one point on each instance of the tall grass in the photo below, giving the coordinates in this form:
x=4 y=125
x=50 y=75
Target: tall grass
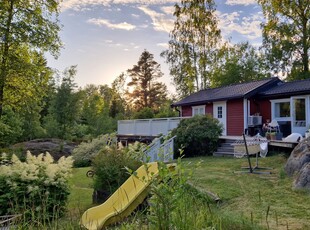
x=176 y=204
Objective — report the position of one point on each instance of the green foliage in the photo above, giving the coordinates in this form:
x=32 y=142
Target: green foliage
x=193 y=45
x=38 y=188
x=144 y=113
x=238 y=64
x=286 y=36
x=31 y=28
x=32 y=127
x=96 y=101
x=110 y=166
x=85 y=152
x=198 y=135
x=166 y=110
x=65 y=108
x=10 y=127
x=175 y=203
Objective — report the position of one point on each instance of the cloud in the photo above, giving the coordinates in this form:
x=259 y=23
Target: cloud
x=135 y=16
x=160 y=21
x=107 y=23
x=80 y=4
x=248 y=26
x=241 y=2
x=164 y=45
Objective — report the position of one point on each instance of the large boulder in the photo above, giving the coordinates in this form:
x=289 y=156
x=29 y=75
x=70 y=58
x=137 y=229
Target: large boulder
x=298 y=158
x=56 y=147
x=303 y=178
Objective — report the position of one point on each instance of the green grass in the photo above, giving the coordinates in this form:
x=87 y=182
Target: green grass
x=81 y=191
x=266 y=200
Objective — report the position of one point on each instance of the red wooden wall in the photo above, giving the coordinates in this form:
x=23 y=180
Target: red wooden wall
x=186 y=111
x=235 y=115
x=265 y=110
x=209 y=109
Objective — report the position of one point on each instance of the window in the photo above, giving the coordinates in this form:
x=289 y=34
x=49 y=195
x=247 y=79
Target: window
x=199 y=110
x=300 y=112
x=282 y=109
x=219 y=112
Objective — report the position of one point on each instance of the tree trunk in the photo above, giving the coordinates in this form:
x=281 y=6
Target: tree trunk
x=305 y=56
x=5 y=55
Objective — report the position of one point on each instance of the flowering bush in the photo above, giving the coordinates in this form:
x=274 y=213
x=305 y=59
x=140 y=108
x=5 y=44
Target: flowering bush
x=86 y=151
x=37 y=188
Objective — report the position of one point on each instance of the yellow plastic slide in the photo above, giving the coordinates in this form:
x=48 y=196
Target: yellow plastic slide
x=123 y=201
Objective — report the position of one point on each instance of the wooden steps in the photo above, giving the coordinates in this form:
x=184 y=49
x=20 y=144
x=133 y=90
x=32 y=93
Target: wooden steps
x=225 y=149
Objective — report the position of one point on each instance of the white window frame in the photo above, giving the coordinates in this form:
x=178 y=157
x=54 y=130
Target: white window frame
x=201 y=110
x=273 y=109
x=218 y=112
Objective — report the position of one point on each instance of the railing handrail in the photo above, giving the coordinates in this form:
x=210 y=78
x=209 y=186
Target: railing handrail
x=148 y=127
x=153 y=149
x=154 y=119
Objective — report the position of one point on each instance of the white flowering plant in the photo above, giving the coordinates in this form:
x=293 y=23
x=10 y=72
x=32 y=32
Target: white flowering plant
x=85 y=152
x=37 y=188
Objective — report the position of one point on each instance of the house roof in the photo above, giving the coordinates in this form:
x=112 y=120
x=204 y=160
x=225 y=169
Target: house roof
x=288 y=89
x=243 y=90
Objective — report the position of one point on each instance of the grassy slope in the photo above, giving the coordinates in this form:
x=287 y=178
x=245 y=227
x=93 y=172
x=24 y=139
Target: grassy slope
x=253 y=195
x=244 y=195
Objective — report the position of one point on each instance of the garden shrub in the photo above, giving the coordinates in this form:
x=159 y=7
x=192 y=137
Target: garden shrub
x=197 y=135
x=86 y=151
x=111 y=166
x=38 y=188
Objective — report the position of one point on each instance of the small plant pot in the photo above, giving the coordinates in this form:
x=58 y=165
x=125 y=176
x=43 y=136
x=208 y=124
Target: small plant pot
x=273 y=136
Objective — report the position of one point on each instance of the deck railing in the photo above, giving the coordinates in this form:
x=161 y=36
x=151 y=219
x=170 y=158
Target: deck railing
x=158 y=151
x=147 y=127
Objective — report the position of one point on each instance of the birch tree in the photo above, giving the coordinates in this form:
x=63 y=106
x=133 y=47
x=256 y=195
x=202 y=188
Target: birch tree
x=193 y=45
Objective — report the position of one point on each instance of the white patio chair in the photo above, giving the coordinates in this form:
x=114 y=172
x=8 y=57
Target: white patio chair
x=274 y=126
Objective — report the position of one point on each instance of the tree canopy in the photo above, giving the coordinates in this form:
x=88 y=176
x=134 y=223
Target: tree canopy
x=193 y=45
x=26 y=28
x=237 y=64
x=286 y=36
x=147 y=91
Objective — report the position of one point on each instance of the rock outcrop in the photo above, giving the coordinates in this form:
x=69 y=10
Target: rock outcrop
x=56 y=147
x=303 y=178
x=298 y=164
x=298 y=158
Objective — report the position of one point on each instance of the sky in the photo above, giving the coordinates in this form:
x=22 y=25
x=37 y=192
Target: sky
x=105 y=38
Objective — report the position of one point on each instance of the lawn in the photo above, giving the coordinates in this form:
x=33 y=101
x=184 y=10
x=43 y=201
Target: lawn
x=81 y=192
x=267 y=200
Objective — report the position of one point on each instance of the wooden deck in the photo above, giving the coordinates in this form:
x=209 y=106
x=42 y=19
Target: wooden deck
x=278 y=143
x=226 y=149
